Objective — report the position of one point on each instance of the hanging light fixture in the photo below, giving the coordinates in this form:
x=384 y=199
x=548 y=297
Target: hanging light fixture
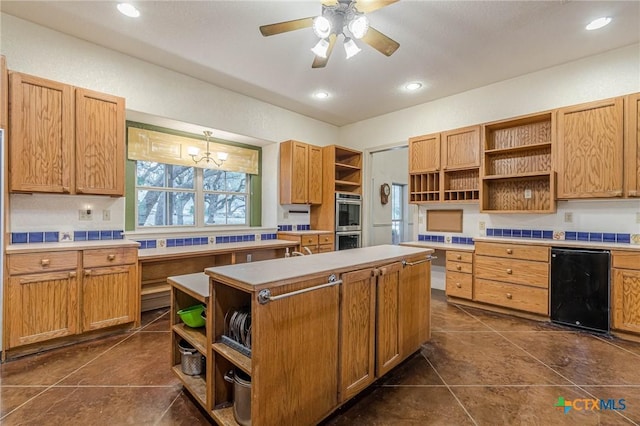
x=358 y=26
x=193 y=153
x=321 y=48
x=350 y=47
x=344 y=19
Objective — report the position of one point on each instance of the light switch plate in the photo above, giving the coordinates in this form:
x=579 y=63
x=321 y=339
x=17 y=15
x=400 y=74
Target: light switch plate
x=106 y=214
x=84 y=214
x=527 y=194
x=568 y=217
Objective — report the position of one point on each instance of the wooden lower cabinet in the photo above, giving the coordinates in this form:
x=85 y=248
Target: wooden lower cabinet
x=459 y=275
x=313 y=242
x=388 y=345
x=625 y=297
x=115 y=284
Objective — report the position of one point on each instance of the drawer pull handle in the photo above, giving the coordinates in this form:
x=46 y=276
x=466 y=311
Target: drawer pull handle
x=87 y=272
x=459 y=268
x=458 y=285
x=509 y=296
x=73 y=274
x=111 y=257
x=509 y=271
x=458 y=257
x=509 y=251
x=45 y=262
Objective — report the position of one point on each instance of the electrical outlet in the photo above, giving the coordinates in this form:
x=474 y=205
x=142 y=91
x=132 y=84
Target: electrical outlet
x=481 y=225
x=568 y=217
x=106 y=214
x=84 y=214
x=285 y=215
x=527 y=194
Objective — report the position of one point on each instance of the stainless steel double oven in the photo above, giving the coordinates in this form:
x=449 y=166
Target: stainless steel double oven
x=348 y=221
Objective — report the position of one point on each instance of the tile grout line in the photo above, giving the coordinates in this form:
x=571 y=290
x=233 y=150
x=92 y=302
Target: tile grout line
x=449 y=389
x=581 y=387
x=168 y=408
x=619 y=347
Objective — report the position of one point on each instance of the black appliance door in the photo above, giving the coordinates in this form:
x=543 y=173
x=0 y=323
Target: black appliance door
x=348 y=215
x=580 y=288
x=347 y=241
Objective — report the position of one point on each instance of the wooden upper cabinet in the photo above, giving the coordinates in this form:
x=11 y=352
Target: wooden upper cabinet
x=632 y=146
x=4 y=93
x=100 y=147
x=41 y=126
x=300 y=173
x=424 y=153
x=461 y=148
x=590 y=150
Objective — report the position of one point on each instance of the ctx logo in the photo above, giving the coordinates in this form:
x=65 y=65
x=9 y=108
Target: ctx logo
x=588 y=404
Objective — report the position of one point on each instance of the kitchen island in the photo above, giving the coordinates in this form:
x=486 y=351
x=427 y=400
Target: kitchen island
x=323 y=328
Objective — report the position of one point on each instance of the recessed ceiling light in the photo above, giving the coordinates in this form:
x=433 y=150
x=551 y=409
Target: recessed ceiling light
x=321 y=95
x=413 y=86
x=598 y=23
x=128 y=10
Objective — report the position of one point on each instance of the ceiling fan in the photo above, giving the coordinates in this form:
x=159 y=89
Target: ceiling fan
x=341 y=17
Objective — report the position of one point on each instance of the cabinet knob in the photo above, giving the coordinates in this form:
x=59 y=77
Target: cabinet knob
x=509 y=271
x=509 y=251
x=509 y=296
x=45 y=262
x=87 y=272
x=459 y=268
x=458 y=257
x=111 y=257
x=73 y=274
x=458 y=285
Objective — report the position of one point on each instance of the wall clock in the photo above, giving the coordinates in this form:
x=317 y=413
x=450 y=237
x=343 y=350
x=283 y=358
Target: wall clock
x=384 y=193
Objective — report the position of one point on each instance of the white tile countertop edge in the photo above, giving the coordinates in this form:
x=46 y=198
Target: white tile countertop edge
x=213 y=248
x=559 y=243
x=439 y=246
x=71 y=245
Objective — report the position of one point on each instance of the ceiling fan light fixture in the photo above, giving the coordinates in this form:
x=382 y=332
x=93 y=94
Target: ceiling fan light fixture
x=358 y=26
x=321 y=26
x=321 y=48
x=598 y=23
x=351 y=48
x=128 y=9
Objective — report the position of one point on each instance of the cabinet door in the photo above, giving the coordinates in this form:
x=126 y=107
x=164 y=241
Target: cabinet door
x=40 y=307
x=626 y=300
x=293 y=172
x=314 y=177
x=109 y=296
x=590 y=150
x=4 y=94
x=357 y=339
x=295 y=358
x=632 y=146
x=388 y=347
x=415 y=297
x=461 y=148
x=424 y=153
x=42 y=135
x=100 y=148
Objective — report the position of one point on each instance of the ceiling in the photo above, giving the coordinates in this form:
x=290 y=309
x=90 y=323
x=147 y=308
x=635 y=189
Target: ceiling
x=449 y=46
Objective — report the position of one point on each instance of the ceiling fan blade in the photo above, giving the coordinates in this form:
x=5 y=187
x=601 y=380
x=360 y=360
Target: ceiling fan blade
x=380 y=42
x=319 y=62
x=366 y=6
x=283 y=27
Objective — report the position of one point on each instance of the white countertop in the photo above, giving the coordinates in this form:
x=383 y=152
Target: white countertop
x=70 y=245
x=282 y=270
x=439 y=246
x=186 y=251
x=559 y=243
x=307 y=232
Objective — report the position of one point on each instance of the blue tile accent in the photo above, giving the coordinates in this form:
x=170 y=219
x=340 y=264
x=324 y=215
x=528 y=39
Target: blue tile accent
x=516 y=233
x=470 y=240
x=583 y=236
x=440 y=238
x=455 y=240
x=547 y=235
x=526 y=233
x=609 y=237
x=536 y=234
x=80 y=235
x=51 y=237
x=595 y=236
x=179 y=242
x=225 y=239
x=151 y=244
x=19 y=238
x=106 y=235
x=36 y=237
x=490 y=232
x=171 y=242
x=497 y=232
x=118 y=234
x=570 y=236
x=93 y=235
x=623 y=238
x=143 y=244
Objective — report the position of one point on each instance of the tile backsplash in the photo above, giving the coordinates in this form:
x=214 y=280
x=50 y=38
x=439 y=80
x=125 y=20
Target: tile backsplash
x=600 y=237
x=60 y=236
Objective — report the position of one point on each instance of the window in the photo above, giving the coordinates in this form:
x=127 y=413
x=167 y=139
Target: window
x=397 y=213
x=171 y=195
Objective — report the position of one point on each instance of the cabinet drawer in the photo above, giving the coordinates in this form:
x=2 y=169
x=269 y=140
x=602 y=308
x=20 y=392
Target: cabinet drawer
x=459 y=285
x=467 y=268
x=309 y=240
x=513 y=271
x=326 y=239
x=626 y=259
x=42 y=262
x=513 y=251
x=107 y=257
x=314 y=249
x=523 y=298
x=460 y=256
x=324 y=248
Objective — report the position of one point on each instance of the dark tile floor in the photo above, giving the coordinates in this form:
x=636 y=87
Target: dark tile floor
x=479 y=368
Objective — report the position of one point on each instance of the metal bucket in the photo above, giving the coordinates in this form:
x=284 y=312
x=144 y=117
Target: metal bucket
x=241 y=396
x=191 y=360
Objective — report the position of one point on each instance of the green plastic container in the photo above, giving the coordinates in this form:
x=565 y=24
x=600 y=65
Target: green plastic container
x=192 y=316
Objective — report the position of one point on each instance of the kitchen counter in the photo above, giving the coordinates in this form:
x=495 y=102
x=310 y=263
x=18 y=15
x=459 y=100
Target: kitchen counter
x=281 y=271
x=187 y=251
x=439 y=246
x=307 y=232
x=560 y=243
x=71 y=245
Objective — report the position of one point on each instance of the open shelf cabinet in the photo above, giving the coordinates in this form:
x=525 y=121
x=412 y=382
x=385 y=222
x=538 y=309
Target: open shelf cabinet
x=517 y=173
